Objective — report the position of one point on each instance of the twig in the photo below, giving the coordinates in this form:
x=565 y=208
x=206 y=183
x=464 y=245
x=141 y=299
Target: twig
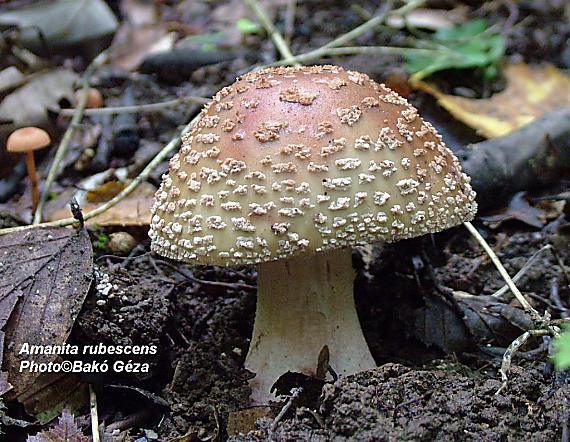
x=499 y=293
x=356 y=50
x=277 y=38
x=290 y=20
x=511 y=350
x=295 y=393
x=131 y=421
x=544 y=325
x=94 y=415
x=188 y=275
x=159 y=158
x=371 y=24
x=66 y=140
x=327 y=49
x=555 y=297
x=313 y=413
x=152 y=107
x=495 y=259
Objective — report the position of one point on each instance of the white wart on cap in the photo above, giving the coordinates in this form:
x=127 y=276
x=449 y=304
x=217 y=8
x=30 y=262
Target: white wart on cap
x=298 y=160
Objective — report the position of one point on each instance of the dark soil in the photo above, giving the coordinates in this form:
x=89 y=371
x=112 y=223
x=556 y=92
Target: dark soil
x=203 y=332
x=438 y=352
x=395 y=403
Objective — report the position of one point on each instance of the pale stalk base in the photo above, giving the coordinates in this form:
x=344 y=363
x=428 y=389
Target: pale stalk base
x=304 y=304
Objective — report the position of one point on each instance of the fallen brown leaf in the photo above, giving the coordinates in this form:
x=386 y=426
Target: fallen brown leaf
x=45 y=275
x=28 y=105
x=66 y=430
x=531 y=92
x=518 y=209
x=133 y=211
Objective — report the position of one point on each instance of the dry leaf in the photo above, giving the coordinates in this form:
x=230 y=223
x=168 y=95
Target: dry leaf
x=133 y=211
x=66 y=430
x=433 y=19
x=132 y=44
x=45 y=275
x=28 y=105
x=518 y=209
x=51 y=392
x=489 y=320
x=531 y=92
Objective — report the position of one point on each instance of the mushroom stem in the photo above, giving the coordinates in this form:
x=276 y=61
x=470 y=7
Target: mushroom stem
x=31 y=166
x=304 y=304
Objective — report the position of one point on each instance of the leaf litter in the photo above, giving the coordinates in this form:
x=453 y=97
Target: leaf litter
x=65 y=430
x=45 y=276
x=531 y=91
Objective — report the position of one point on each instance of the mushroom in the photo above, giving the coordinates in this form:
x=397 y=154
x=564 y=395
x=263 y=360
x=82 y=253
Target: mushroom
x=289 y=169
x=27 y=140
x=94 y=97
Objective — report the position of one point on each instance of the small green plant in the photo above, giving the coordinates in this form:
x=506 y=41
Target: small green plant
x=246 y=26
x=101 y=242
x=470 y=45
x=562 y=355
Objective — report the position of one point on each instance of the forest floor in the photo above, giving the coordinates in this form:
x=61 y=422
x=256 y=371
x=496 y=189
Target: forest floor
x=425 y=305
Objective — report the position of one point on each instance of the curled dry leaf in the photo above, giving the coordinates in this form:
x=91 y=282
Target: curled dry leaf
x=489 y=320
x=45 y=275
x=531 y=92
x=518 y=209
x=65 y=430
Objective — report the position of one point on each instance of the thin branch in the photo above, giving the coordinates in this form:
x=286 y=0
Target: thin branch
x=495 y=259
x=94 y=415
x=371 y=24
x=295 y=393
x=159 y=158
x=499 y=293
x=351 y=35
x=277 y=38
x=356 y=50
x=152 y=107
x=510 y=351
x=290 y=20
x=66 y=140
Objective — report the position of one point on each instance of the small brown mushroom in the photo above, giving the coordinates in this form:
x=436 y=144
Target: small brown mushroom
x=94 y=97
x=289 y=168
x=27 y=140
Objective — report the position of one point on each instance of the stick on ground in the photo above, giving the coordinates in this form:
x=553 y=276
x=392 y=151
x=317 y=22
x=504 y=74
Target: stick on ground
x=94 y=415
x=66 y=140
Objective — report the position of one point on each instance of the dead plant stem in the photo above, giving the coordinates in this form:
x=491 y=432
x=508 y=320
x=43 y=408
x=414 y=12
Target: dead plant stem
x=159 y=158
x=94 y=415
x=152 y=107
x=332 y=47
x=66 y=140
x=499 y=265
x=277 y=38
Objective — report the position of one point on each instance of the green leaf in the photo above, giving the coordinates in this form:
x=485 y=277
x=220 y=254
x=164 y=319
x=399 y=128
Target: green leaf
x=468 y=29
x=247 y=27
x=208 y=41
x=562 y=346
x=470 y=45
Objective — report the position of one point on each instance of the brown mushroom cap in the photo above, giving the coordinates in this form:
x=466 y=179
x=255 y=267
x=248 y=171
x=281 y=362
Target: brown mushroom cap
x=298 y=160
x=94 y=97
x=27 y=139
